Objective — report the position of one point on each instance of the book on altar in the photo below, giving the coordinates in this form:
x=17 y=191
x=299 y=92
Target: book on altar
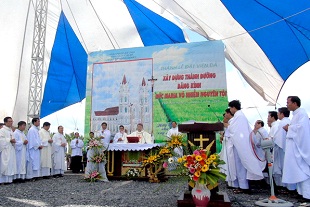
x=132 y=139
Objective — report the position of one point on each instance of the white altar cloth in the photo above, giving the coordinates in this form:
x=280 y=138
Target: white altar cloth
x=132 y=146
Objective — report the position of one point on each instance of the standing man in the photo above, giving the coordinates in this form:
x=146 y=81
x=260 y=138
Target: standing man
x=227 y=152
x=59 y=153
x=279 y=149
x=20 y=151
x=76 y=155
x=296 y=168
x=272 y=123
x=33 y=150
x=121 y=136
x=174 y=130
x=7 y=152
x=259 y=134
x=144 y=137
x=247 y=166
x=104 y=134
x=46 y=151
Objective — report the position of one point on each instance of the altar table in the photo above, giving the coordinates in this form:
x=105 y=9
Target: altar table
x=122 y=157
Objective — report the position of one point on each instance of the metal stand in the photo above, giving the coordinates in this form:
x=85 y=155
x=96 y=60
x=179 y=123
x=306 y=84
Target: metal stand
x=272 y=200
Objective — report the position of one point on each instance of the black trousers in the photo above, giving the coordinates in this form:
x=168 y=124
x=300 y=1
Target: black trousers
x=76 y=164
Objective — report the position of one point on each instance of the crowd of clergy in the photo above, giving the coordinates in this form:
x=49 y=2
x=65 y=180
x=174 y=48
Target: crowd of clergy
x=244 y=154
x=29 y=157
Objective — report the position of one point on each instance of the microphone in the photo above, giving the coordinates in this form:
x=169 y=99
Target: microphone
x=218 y=118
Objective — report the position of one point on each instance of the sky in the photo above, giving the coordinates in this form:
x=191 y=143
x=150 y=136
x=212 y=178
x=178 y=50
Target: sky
x=254 y=107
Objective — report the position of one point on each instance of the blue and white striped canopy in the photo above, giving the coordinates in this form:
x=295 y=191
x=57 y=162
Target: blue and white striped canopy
x=265 y=40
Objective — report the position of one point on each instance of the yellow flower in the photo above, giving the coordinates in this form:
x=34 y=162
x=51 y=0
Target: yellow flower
x=180 y=159
x=198 y=158
x=213 y=157
x=208 y=162
x=184 y=158
x=185 y=164
x=197 y=174
x=205 y=168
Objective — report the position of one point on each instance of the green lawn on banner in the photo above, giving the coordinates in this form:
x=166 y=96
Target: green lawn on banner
x=204 y=109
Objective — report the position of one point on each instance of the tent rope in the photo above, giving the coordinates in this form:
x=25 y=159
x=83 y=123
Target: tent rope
x=84 y=43
x=105 y=28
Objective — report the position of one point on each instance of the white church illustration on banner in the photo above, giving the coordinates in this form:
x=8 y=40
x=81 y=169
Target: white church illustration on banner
x=129 y=112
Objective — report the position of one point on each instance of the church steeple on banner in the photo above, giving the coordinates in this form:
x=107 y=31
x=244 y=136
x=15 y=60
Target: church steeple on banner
x=156 y=85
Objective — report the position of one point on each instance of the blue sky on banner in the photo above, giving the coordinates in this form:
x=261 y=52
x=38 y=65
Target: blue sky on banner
x=72 y=118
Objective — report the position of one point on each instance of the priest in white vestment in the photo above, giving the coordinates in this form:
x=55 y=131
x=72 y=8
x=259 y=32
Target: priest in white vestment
x=7 y=152
x=273 y=123
x=279 y=148
x=227 y=152
x=175 y=131
x=46 y=151
x=20 y=151
x=248 y=167
x=121 y=136
x=33 y=151
x=59 y=153
x=144 y=137
x=296 y=168
x=259 y=134
x=104 y=134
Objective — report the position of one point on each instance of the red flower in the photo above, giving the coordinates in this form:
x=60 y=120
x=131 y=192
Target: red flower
x=202 y=162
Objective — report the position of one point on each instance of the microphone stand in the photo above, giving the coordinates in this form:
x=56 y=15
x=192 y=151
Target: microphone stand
x=218 y=119
x=272 y=200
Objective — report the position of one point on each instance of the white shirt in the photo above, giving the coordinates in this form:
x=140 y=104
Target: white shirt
x=76 y=147
x=273 y=129
x=173 y=131
x=106 y=134
x=120 y=135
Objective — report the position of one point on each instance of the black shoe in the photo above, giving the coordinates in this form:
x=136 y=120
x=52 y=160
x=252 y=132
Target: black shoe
x=46 y=177
x=60 y=175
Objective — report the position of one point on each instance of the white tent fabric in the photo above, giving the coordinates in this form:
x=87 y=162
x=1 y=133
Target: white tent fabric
x=100 y=25
x=212 y=20
x=104 y=25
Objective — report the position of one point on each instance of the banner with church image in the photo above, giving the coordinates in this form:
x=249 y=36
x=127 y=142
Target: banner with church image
x=156 y=85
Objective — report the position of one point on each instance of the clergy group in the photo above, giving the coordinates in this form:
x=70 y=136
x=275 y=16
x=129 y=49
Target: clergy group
x=28 y=157
x=245 y=156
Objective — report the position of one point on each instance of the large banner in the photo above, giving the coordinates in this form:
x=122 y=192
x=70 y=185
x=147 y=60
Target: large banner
x=155 y=86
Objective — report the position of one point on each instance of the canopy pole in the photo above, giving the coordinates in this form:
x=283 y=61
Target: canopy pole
x=37 y=60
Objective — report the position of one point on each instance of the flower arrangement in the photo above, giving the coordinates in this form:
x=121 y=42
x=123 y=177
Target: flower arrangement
x=98 y=157
x=157 y=160
x=154 y=162
x=202 y=167
x=176 y=140
x=164 y=152
x=93 y=176
x=95 y=143
x=132 y=172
